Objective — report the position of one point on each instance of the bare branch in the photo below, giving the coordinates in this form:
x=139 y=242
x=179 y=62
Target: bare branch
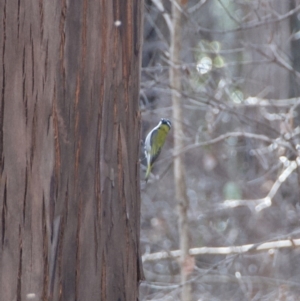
x=266 y=202
x=251 y=25
x=166 y=16
x=267 y=246
x=220 y=138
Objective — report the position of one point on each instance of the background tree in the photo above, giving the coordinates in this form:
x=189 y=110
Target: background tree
x=69 y=132
x=178 y=134
x=240 y=110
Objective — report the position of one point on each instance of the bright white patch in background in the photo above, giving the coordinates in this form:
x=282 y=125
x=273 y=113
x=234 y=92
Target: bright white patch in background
x=205 y=65
x=118 y=23
x=30 y=296
x=238 y=275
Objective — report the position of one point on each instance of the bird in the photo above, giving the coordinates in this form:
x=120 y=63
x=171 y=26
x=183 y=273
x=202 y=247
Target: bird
x=154 y=142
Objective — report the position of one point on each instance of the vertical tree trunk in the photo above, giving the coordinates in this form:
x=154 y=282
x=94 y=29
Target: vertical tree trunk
x=179 y=168
x=267 y=80
x=69 y=147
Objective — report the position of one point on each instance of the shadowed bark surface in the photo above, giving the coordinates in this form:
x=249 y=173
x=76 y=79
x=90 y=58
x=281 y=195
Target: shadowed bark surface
x=69 y=132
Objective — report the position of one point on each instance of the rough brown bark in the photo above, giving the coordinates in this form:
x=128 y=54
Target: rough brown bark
x=69 y=132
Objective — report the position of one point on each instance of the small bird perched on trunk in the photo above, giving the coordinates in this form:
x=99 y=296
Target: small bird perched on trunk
x=154 y=142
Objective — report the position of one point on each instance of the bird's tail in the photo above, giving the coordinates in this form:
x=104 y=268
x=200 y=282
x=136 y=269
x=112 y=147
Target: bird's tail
x=148 y=172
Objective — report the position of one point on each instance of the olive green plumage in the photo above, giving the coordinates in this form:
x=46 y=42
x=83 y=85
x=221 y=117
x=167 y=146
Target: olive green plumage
x=154 y=142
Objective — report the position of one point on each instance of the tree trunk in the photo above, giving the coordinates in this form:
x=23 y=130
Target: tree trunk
x=179 y=168
x=69 y=148
x=265 y=79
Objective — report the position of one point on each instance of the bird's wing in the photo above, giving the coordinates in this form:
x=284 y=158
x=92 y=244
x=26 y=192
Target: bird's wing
x=154 y=157
x=156 y=147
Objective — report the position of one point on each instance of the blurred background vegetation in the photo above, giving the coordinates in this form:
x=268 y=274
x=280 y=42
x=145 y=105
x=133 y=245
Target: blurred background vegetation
x=239 y=69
